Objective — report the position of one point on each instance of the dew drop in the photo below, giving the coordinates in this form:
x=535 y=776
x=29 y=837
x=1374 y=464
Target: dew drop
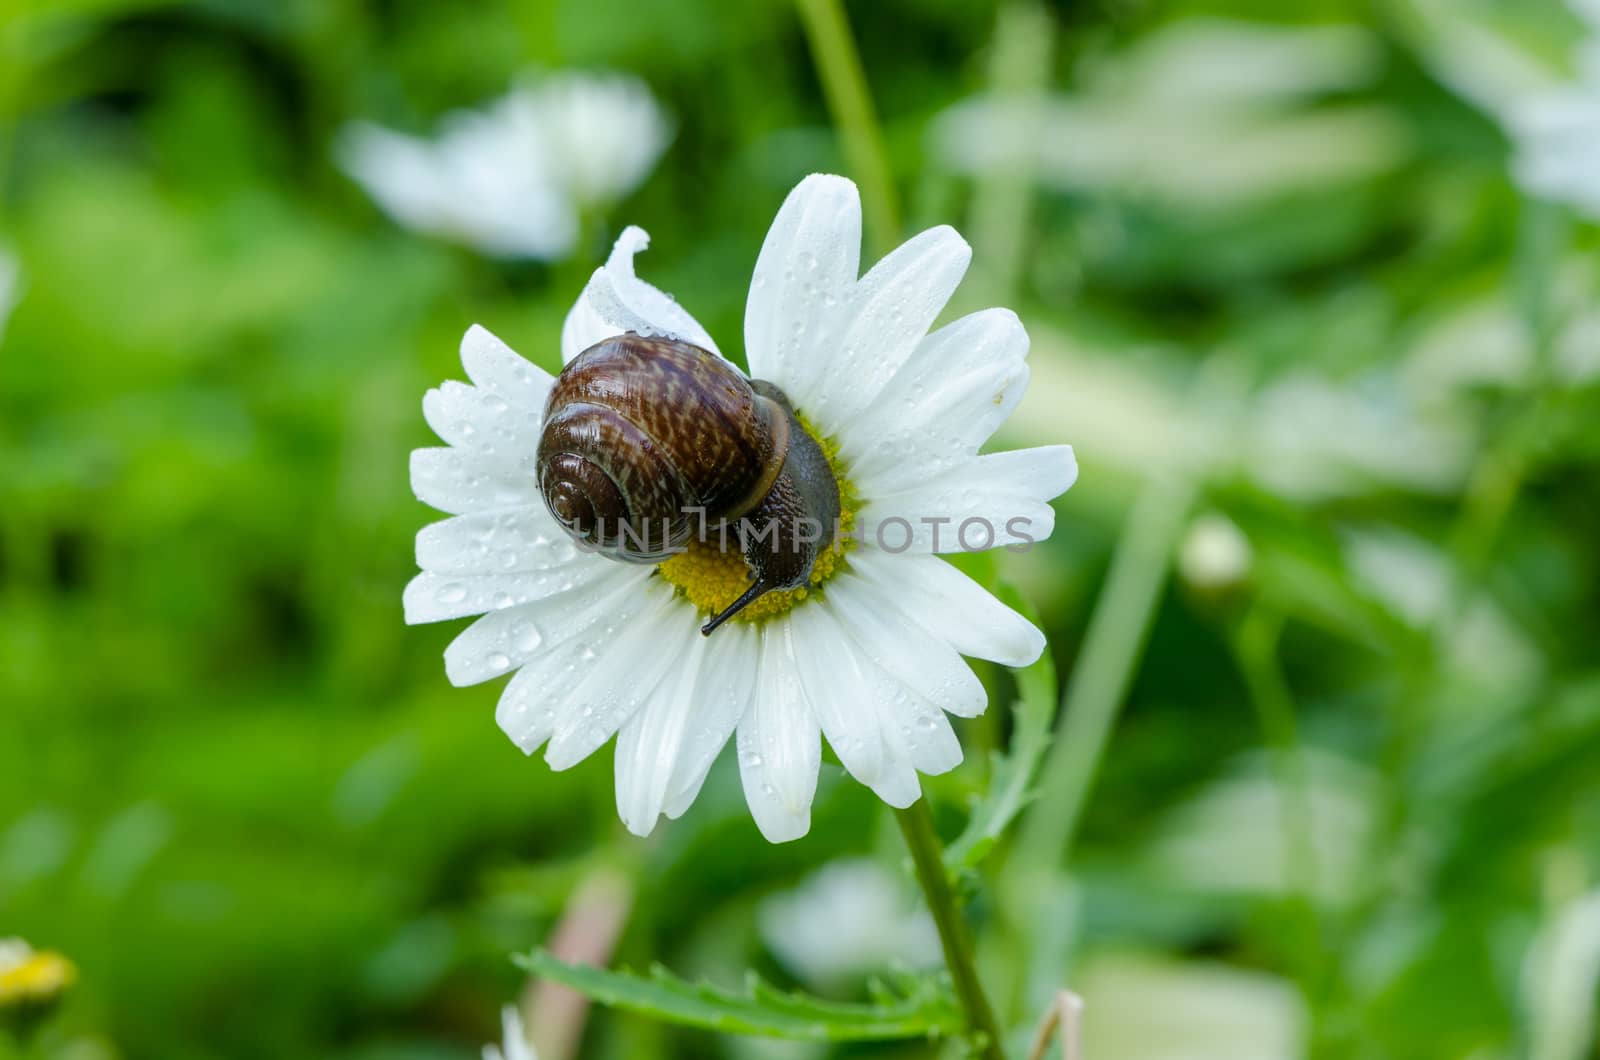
x=525 y=637
x=453 y=593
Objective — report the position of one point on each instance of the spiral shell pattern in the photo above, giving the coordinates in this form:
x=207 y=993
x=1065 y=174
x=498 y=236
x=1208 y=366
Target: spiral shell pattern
x=643 y=433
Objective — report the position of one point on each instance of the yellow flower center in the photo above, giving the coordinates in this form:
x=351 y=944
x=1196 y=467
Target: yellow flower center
x=38 y=978
x=711 y=577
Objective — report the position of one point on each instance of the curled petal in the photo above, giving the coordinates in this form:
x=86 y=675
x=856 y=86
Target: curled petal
x=616 y=301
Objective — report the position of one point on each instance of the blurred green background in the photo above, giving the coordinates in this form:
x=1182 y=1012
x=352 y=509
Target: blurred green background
x=1289 y=273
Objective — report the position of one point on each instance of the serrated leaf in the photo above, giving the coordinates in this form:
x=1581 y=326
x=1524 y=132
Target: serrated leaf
x=1011 y=774
x=925 y=1011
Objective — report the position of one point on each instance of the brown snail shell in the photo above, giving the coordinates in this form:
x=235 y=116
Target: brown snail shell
x=648 y=441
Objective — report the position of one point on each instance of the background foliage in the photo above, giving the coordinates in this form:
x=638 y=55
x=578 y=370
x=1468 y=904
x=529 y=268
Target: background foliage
x=238 y=792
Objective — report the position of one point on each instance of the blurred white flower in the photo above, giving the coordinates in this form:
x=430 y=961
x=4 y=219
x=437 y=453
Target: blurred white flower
x=1554 y=123
x=515 y=1045
x=1557 y=133
x=1485 y=341
x=1139 y=1007
x=847 y=919
x=1471 y=56
x=1558 y=150
x=1311 y=438
x=1215 y=554
x=1200 y=115
x=1305 y=437
x=514 y=178
x=1230 y=838
x=10 y=288
x=1415 y=579
x=1198 y=63
x=1559 y=979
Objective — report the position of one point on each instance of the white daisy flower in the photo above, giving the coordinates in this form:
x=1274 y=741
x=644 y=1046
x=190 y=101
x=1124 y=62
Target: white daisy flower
x=1201 y=115
x=871 y=655
x=849 y=918
x=1557 y=133
x=515 y=1045
x=514 y=178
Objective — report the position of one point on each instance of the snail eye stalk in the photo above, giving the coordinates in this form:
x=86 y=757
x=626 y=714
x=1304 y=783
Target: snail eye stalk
x=750 y=596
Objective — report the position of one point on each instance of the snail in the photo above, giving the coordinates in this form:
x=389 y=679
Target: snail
x=648 y=441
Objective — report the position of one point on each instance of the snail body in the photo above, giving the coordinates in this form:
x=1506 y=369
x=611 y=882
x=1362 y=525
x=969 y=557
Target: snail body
x=649 y=441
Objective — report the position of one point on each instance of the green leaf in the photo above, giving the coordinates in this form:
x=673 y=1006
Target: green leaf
x=923 y=1010
x=1011 y=774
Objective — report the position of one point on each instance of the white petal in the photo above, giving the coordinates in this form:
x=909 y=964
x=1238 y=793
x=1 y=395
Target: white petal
x=628 y=664
x=501 y=372
x=510 y=638
x=513 y=1036
x=497 y=643
x=527 y=711
x=831 y=679
x=533 y=700
x=515 y=540
x=806 y=270
x=679 y=802
x=889 y=313
x=919 y=735
x=780 y=749
x=649 y=743
x=457 y=481
x=925 y=664
x=483 y=425
x=952 y=606
x=723 y=697
x=898 y=785
x=995 y=499
x=959 y=386
x=852 y=700
x=616 y=301
x=431 y=597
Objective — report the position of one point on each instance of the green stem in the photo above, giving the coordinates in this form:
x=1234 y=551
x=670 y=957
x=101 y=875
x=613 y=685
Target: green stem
x=927 y=854
x=1255 y=650
x=1100 y=681
x=1498 y=477
x=833 y=48
x=1002 y=198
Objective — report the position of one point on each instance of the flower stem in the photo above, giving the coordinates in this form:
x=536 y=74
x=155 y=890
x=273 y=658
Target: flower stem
x=833 y=49
x=1255 y=649
x=927 y=854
